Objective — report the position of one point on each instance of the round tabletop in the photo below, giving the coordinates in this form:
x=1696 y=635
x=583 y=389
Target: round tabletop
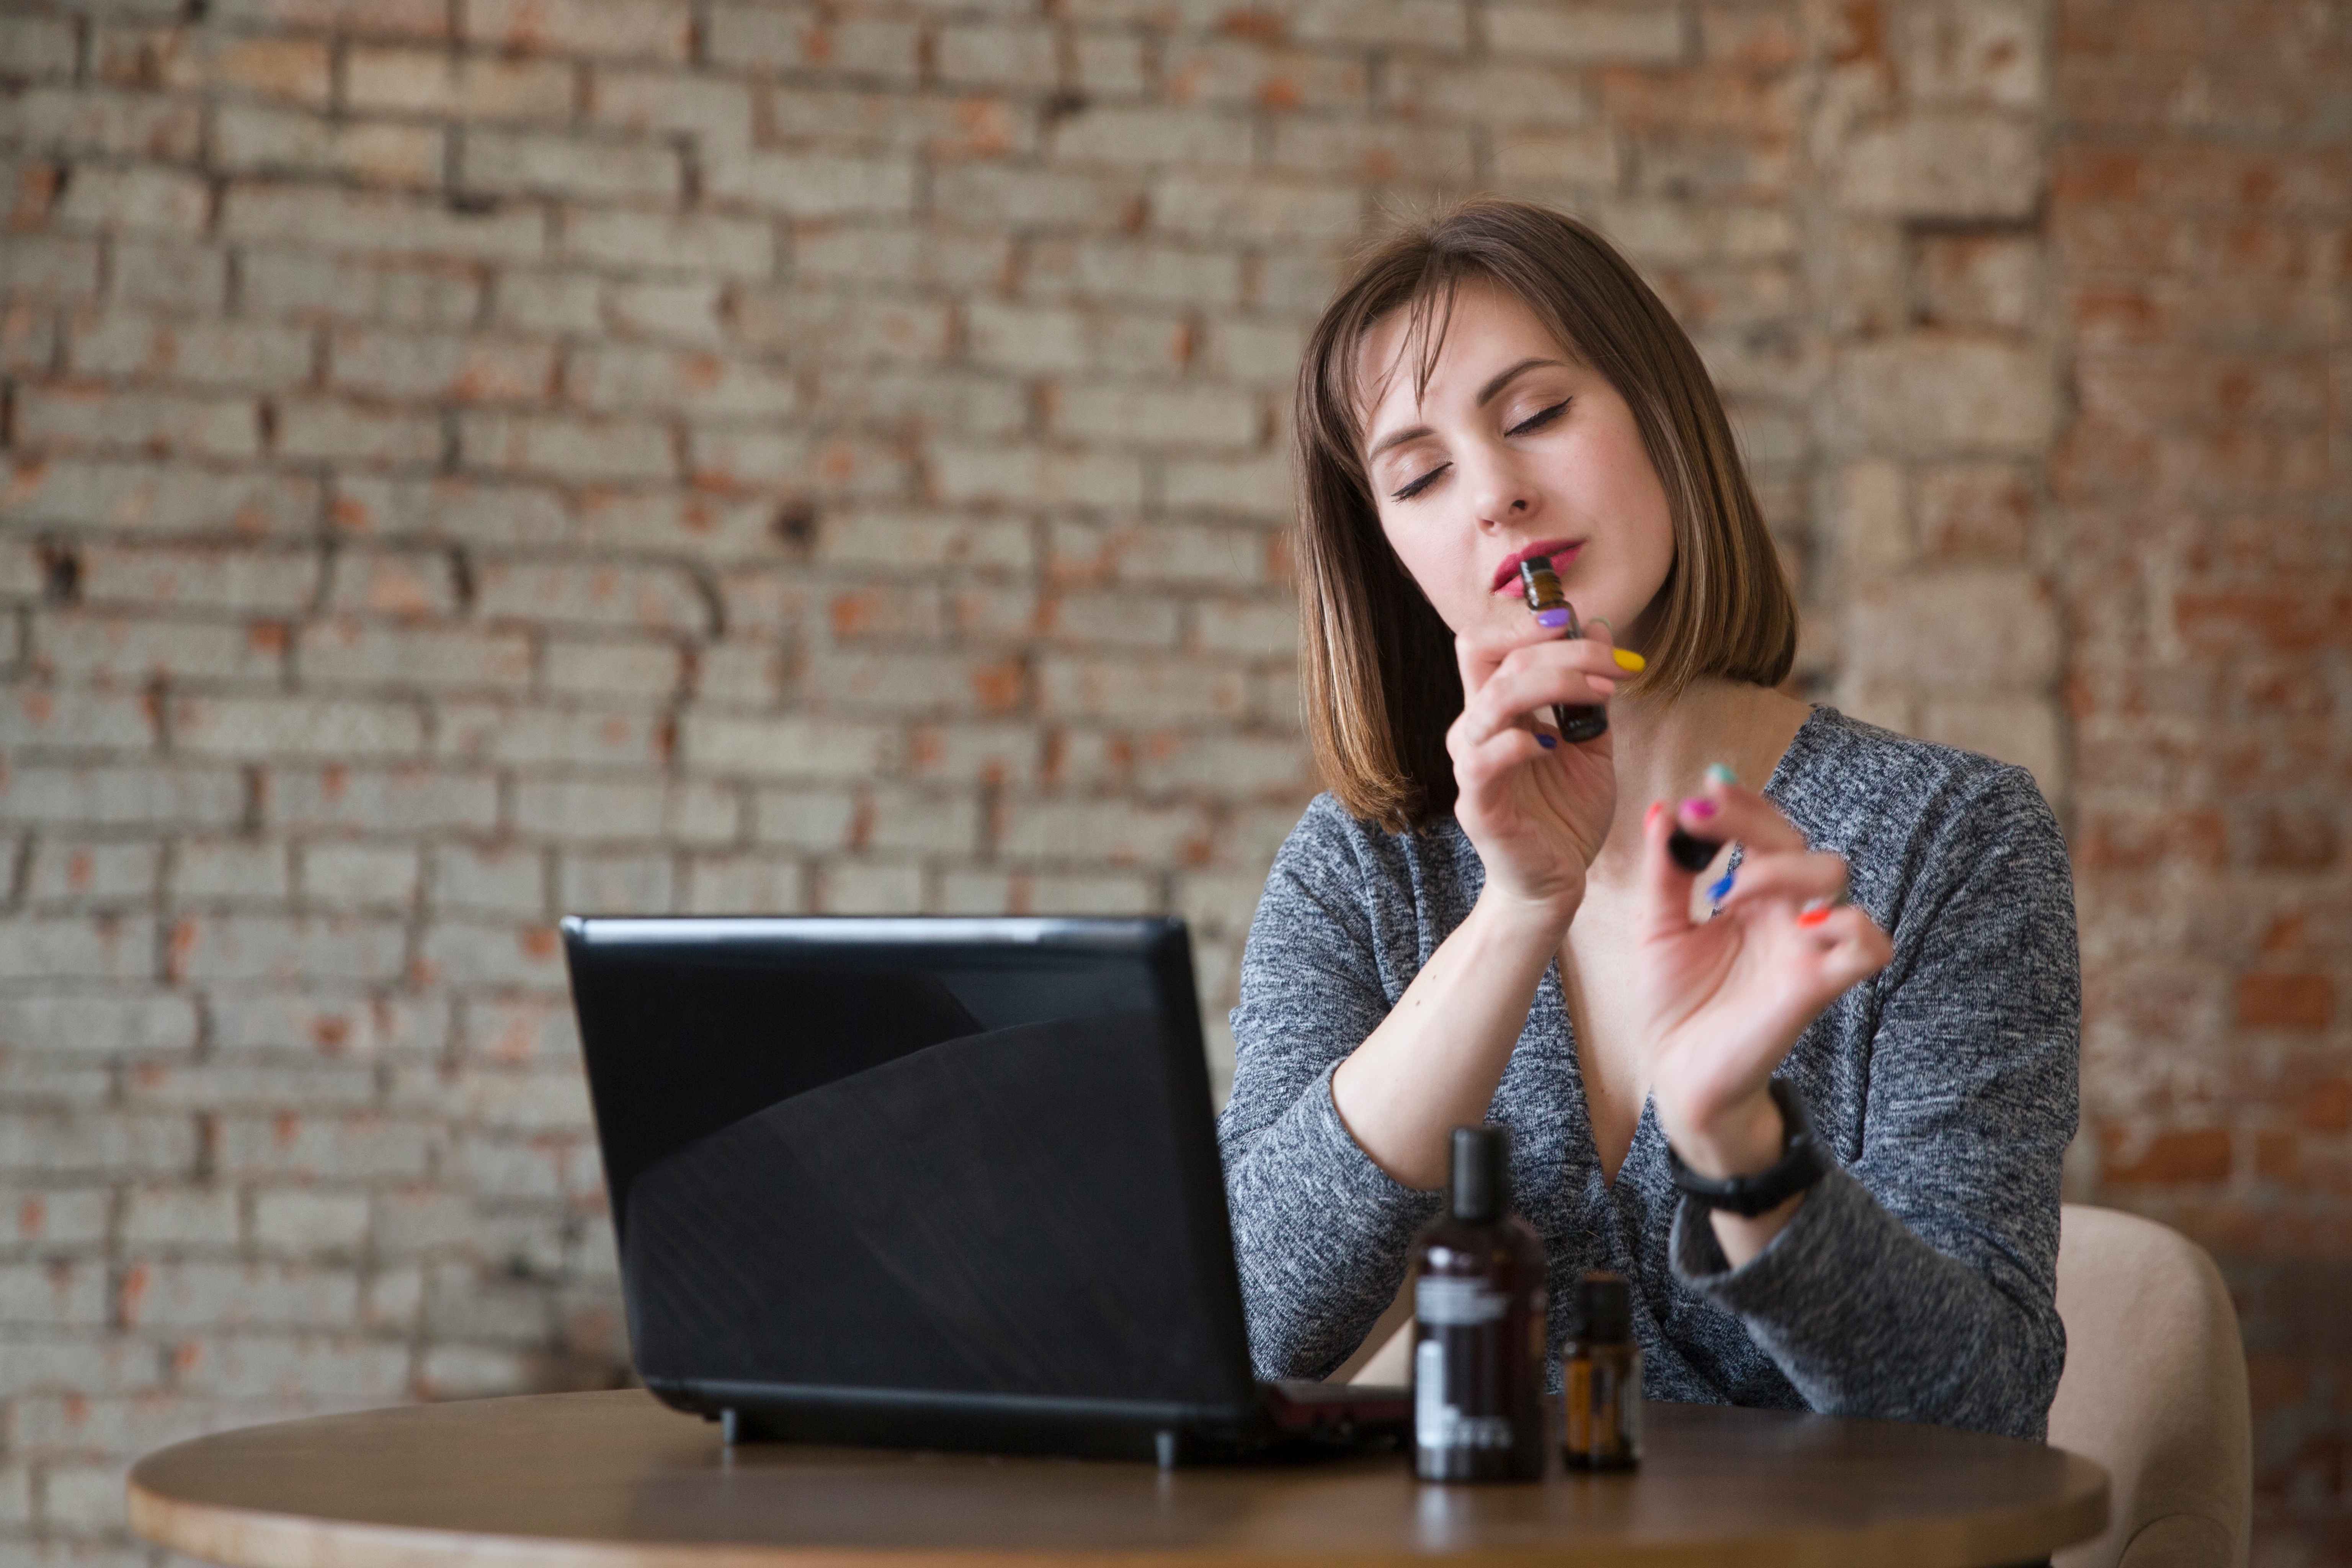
x=616 y=1480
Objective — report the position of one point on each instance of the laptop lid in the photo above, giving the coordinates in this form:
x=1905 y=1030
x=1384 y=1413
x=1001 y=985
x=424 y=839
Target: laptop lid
x=881 y=1158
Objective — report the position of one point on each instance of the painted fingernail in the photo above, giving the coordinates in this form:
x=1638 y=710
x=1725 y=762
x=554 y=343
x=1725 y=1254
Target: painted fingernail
x=1698 y=805
x=1546 y=742
x=1720 y=888
x=1552 y=618
x=1628 y=659
x=1813 y=914
x=1717 y=773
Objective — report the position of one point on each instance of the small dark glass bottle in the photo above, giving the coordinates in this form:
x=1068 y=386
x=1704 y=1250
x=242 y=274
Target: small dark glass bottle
x=1478 y=1331
x=1601 y=1378
x=1540 y=586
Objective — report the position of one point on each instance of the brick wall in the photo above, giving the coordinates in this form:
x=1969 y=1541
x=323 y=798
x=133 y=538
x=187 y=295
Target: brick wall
x=468 y=460
x=2199 y=512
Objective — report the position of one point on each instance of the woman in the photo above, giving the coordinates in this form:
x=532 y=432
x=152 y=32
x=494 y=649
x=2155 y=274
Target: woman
x=1479 y=922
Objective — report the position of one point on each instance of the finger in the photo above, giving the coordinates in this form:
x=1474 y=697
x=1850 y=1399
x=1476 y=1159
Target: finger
x=1666 y=885
x=1723 y=812
x=1600 y=634
x=1519 y=690
x=1477 y=653
x=1796 y=878
x=1478 y=767
x=1855 y=948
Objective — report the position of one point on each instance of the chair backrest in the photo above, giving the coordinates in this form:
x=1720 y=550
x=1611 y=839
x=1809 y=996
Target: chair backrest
x=2155 y=1389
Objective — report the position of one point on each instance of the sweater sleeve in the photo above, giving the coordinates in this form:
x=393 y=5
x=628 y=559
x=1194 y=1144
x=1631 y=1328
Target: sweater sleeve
x=1319 y=1231
x=1919 y=1282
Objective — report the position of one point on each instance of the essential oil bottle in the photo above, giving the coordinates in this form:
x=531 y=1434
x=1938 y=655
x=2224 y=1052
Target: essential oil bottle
x=1540 y=584
x=1478 y=1332
x=1603 y=1379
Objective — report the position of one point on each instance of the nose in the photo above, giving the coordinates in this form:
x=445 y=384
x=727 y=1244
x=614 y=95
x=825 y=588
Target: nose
x=1502 y=497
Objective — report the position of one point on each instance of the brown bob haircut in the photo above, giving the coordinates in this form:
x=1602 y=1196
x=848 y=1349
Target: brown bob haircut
x=1377 y=665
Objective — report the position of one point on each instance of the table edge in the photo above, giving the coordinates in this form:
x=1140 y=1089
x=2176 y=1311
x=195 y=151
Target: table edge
x=240 y=1537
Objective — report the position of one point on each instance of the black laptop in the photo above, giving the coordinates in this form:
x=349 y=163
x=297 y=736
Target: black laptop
x=930 y=1182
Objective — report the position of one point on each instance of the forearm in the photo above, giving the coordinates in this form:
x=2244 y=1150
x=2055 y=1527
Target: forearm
x=1866 y=1317
x=1433 y=1063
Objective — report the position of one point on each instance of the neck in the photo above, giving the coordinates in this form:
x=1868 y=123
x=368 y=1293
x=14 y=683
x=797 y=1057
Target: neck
x=1663 y=749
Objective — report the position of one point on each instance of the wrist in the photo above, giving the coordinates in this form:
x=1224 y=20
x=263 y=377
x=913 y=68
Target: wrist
x=1742 y=1140
x=1542 y=920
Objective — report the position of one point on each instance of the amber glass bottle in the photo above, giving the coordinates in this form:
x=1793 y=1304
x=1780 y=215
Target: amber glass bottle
x=1602 y=1377
x=1478 y=1331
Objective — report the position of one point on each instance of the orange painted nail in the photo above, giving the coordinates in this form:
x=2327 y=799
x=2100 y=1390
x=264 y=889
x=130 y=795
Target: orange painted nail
x=1814 y=916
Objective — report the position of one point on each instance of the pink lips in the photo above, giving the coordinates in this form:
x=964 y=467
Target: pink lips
x=1561 y=551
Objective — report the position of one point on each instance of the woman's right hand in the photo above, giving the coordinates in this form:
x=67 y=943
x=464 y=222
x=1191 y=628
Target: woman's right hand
x=1537 y=814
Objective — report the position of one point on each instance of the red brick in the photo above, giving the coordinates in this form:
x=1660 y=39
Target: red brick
x=571 y=448
x=196 y=59
x=129 y=345
x=86 y=417
x=395 y=800
x=368 y=434
x=119 y=124
x=2295 y=1001
x=653 y=379
x=401 y=18
x=349 y=650
x=263 y=141
x=646 y=597
x=37 y=49
x=2174 y=1157
x=286 y=949
x=468 y=86
x=470 y=368
x=379 y=222
x=630 y=29
x=762 y=36
x=549 y=164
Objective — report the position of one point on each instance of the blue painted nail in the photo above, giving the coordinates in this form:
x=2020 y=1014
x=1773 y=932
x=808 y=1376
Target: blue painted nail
x=1721 y=887
x=1546 y=742
x=1717 y=773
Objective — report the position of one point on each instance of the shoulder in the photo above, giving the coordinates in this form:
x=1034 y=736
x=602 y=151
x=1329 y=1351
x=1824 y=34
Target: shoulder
x=1911 y=814
x=1388 y=889
x=1330 y=841
x=1857 y=782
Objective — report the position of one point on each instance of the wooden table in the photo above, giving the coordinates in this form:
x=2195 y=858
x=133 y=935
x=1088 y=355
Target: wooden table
x=614 y=1480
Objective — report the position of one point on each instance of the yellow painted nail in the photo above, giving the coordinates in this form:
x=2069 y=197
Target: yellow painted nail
x=1627 y=658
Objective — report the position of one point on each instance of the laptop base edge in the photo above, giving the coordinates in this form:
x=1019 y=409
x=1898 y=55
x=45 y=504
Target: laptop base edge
x=1167 y=1436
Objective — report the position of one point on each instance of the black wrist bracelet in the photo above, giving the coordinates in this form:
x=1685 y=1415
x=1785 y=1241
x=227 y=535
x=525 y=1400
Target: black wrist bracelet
x=1801 y=1163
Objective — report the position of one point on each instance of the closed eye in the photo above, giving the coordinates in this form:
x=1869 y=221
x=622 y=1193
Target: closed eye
x=1535 y=421
x=1542 y=417
x=1419 y=484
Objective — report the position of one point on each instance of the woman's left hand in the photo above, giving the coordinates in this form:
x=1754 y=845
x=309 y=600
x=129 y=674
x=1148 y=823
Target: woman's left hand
x=1724 y=999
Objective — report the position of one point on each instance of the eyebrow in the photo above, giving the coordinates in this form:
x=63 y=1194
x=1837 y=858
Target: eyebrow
x=1487 y=395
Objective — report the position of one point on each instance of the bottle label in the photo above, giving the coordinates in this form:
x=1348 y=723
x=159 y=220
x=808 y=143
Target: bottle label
x=1457 y=1303
x=1437 y=1421
x=1604 y=1410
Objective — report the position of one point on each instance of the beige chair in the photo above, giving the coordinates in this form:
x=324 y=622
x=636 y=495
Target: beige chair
x=2155 y=1390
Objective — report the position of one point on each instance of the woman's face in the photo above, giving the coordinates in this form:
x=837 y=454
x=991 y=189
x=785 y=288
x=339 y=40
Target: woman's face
x=1516 y=448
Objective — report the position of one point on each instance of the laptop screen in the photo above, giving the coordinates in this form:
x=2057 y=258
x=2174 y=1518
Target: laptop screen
x=955 y=1156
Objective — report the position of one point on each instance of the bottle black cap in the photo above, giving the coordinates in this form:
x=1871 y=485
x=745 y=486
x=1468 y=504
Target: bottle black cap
x=1481 y=1187
x=1604 y=1306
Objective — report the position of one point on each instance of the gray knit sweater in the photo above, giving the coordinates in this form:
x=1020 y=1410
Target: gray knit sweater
x=1916 y=1281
